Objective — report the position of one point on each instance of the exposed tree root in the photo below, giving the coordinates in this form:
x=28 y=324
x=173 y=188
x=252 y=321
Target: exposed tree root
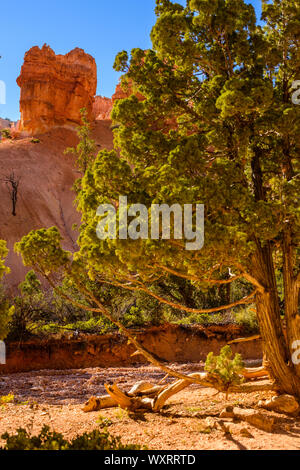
x=99 y=403
x=129 y=403
x=245 y=340
x=255 y=373
x=140 y=389
x=251 y=373
x=251 y=387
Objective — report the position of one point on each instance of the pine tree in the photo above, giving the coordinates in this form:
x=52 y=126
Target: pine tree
x=86 y=150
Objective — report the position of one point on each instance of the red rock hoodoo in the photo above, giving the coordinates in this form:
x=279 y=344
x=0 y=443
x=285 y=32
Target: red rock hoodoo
x=102 y=108
x=55 y=87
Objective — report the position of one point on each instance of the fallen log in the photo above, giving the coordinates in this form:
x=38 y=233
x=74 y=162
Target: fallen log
x=151 y=397
x=140 y=389
x=99 y=403
x=126 y=402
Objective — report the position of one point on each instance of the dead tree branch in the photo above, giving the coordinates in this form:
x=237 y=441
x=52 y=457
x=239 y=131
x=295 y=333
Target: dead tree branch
x=12 y=183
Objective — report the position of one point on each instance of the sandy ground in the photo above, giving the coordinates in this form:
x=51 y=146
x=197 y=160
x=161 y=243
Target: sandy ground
x=56 y=398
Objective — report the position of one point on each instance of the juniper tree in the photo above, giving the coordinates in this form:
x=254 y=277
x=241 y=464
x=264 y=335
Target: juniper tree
x=210 y=120
x=86 y=149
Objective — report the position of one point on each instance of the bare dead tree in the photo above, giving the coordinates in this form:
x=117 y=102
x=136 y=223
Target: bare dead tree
x=12 y=182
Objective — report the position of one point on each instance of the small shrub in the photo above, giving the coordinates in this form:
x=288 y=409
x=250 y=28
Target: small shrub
x=5 y=399
x=6 y=311
x=225 y=367
x=35 y=141
x=104 y=422
x=51 y=440
x=201 y=319
x=6 y=134
x=133 y=318
x=247 y=318
x=6 y=315
x=121 y=414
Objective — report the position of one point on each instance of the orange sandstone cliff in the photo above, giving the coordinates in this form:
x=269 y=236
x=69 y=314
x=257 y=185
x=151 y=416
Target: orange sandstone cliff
x=55 y=87
x=102 y=108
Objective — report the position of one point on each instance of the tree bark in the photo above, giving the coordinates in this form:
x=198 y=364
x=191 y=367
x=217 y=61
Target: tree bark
x=268 y=312
x=291 y=296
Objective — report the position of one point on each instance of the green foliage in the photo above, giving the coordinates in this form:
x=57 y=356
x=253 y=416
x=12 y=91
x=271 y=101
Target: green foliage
x=6 y=133
x=28 y=307
x=134 y=317
x=31 y=285
x=3 y=255
x=201 y=319
x=85 y=151
x=247 y=318
x=121 y=414
x=103 y=422
x=51 y=440
x=35 y=141
x=6 y=315
x=6 y=311
x=225 y=366
x=5 y=399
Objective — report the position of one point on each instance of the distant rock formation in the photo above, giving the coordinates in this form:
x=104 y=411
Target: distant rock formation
x=5 y=123
x=55 y=87
x=11 y=125
x=122 y=92
x=102 y=108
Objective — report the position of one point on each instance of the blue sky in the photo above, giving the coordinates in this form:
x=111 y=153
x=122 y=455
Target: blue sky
x=100 y=27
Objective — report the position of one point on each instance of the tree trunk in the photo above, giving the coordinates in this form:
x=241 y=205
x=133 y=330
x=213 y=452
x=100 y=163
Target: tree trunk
x=268 y=312
x=291 y=296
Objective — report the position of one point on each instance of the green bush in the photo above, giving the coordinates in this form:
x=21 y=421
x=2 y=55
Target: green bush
x=51 y=440
x=6 y=134
x=134 y=317
x=225 y=366
x=247 y=318
x=30 y=305
x=201 y=319
x=6 y=314
x=6 y=311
